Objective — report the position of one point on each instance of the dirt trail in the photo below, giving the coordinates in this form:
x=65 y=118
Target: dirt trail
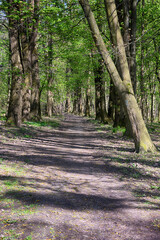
x=76 y=191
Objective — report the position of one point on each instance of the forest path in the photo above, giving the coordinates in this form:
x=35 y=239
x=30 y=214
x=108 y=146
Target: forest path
x=71 y=180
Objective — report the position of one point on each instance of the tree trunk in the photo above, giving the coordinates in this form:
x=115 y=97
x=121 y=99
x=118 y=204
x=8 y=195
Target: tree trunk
x=157 y=72
x=123 y=16
x=111 y=103
x=123 y=84
x=49 y=103
x=100 y=102
x=104 y=115
x=87 y=103
x=142 y=81
x=26 y=62
x=152 y=86
x=15 y=103
x=159 y=106
x=68 y=104
x=98 y=71
x=35 y=94
x=9 y=77
x=68 y=97
x=133 y=64
x=126 y=28
x=79 y=101
x=50 y=78
x=75 y=110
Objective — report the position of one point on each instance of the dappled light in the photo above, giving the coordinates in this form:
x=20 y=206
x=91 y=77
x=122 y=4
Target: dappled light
x=71 y=177
x=79 y=120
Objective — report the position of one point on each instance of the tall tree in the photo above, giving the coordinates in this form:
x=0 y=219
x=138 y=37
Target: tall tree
x=25 y=31
x=121 y=81
x=50 y=77
x=35 y=112
x=157 y=71
x=14 y=115
x=143 y=102
x=133 y=27
x=100 y=102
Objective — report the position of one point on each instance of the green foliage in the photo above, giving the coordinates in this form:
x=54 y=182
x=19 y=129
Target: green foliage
x=46 y=123
x=10 y=183
x=4 y=69
x=64 y=22
x=119 y=129
x=148 y=39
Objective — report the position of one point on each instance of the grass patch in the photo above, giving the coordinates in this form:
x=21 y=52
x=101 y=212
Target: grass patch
x=29 y=128
x=29 y=237
x=11 y=169
x=10 y=235
x=25 y=210
x=155 y=187
x=13 y=231
x=14 y=209
x=119 y=129
x=9 y=221
x=44 y=123
x=154 y=128
x=10 y=183
x=27 y=136
x=3 y=118
x=2 y=160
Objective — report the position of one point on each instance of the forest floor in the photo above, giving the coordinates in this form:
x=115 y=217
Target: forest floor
x=72 y=179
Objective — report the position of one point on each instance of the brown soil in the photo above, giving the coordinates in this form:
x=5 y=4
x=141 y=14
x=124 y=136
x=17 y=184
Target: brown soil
x=78 y=182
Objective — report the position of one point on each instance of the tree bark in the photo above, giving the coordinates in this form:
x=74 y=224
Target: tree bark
x=87 y=103
x=123 y=84
x=123 y=16
x=14 y=115
x=26 y=63
x=133 y=64
x=35 y=93
x=75 y=105
x=98 y=77
x=157 y=71
x=68 y=104
x=79 y=101
x=49 y=103
x=104 y=115
x=142 y=81
x=50 y=78
x=111 y=103
x=100 y=101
